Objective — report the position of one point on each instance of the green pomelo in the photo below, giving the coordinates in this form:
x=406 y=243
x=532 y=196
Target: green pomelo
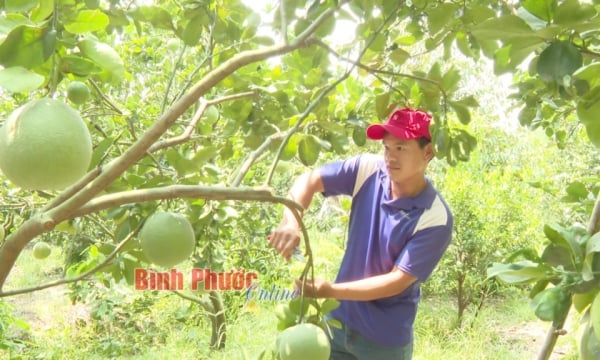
x=44 y=145
x=302 y=342
x=41 y=250
x=78 y=92
x=167 y=238
x=173 y=44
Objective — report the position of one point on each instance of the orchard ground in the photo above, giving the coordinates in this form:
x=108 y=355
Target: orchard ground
x=505 y=328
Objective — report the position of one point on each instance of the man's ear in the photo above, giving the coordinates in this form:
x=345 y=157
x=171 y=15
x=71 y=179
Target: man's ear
x=429 y=154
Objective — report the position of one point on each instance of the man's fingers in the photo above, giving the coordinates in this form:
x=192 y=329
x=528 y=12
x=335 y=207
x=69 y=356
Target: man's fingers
x=280 y=244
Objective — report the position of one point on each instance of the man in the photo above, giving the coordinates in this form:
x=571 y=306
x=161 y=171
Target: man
x=399 y=228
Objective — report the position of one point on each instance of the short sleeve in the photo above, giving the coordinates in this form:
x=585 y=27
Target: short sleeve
x=339 y=176
x=424 y=251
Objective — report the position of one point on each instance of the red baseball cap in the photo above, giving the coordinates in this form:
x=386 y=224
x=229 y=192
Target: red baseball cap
x=404 y=124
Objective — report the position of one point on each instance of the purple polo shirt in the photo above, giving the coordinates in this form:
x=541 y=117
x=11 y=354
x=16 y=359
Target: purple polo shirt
x=409 y=233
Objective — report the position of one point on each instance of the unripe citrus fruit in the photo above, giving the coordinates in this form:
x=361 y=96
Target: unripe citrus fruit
x=173 y=44
x=167 y=238
x=78 y=92
x=41 y=250
x=44 y=145
x=303 y=341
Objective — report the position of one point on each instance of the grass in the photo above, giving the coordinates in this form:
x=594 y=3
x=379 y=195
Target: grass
x=504 y=329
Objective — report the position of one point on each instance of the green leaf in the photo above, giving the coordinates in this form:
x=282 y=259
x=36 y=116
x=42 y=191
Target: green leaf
x=462 y=112
x=573 y=12
x=399 y=56
x=524 y=253
x=556 y=256
x=476 y=14
x=24 y=46
x=100 y=152
x=521 y=272
x=155 y=15
x=10 y=21
x=193 y=31
x=503 y=28
x=595 y=315
x=382 y=103
x=87 y=21
x=589 y=73
x=558 y=60
x=552 y=304
x=18 y=79
x=521 y=49
x=77 y=65
x=543 y=9
x=566 y=238
x=440 y=16
x=587 y=112
x=19 y=5
x=577 y=190
x=582 y=300
x=104 y=56
x=309 y=149
x=591 y=249
x=538 y=287
x=359 y=136
x=42 y=11
x=593 y=244
x=291 y=148
x=328 y=305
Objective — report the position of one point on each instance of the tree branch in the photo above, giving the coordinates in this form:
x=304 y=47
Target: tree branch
x=184 y=191
x=80 y=277
x=189 y=129
x=253 y=157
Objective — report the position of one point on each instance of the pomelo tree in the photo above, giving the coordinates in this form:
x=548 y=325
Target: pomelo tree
x=217 y=117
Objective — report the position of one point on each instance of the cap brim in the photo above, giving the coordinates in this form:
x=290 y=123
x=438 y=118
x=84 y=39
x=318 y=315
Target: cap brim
x=375 y=132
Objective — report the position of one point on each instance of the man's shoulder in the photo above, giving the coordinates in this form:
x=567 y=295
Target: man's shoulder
x=368 y=164
x=437 y=215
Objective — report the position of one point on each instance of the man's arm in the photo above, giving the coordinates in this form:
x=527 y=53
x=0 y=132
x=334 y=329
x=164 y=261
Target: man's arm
x=287 y=235
x=371 y=288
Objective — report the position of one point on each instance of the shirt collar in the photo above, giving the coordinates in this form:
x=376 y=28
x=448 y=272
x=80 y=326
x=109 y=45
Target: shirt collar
x=422 y=201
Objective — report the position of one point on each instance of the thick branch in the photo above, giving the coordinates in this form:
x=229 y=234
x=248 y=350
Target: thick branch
x=183 y=191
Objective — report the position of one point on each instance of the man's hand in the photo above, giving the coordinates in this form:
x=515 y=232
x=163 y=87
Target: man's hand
x=315 y=288
x=285 y=239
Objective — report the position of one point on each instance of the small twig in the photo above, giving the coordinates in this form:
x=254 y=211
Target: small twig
x=204 y=303
x=105 y=98
x=253 y=157
x=187 y=133
x=93 y=270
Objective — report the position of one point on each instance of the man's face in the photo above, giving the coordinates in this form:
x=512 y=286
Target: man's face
x=404 y=159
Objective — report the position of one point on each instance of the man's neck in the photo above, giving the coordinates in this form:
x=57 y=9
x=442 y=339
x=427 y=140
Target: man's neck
x=408 y=189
